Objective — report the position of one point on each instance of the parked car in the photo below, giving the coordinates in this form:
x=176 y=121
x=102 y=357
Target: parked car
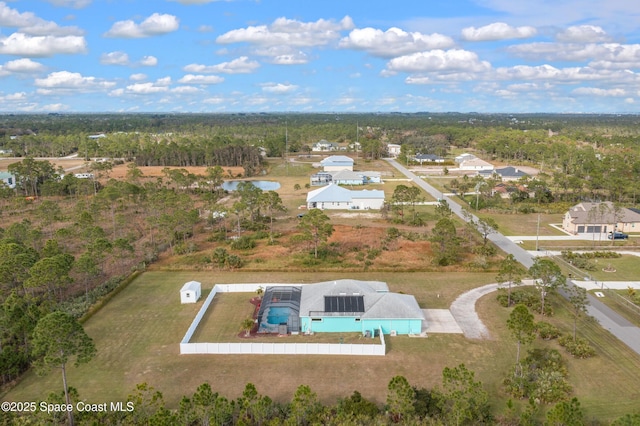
x=617 y=236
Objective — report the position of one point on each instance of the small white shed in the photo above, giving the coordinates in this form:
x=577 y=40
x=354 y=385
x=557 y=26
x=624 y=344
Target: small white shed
x=190 y=292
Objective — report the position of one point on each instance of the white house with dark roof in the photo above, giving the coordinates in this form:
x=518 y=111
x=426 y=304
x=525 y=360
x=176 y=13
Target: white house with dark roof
x=505 y=173
x=334 y=197
x=601 y=217
x=428 y=158
x=336 y=163
x=9 y=179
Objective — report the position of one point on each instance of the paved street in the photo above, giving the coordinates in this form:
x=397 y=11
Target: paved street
x=609 y=319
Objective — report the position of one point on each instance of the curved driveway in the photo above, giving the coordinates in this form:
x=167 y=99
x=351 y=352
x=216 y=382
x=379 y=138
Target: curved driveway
x=608 y=319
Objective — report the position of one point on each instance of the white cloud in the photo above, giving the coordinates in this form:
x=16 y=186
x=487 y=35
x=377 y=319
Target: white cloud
x=23 y=65
x=278 y=88
x=289 y=32
x=438 y=60
x=497 y=31
x=14 y=97
x=606 y=56
x=20 y=44
x=186 y=90
x=596 y=91
x=154 y=25
x=393 y=42
x=241 y=65
x=583 y=34
x=65 y=81
x=114 y=58
x=137 y=77
x=29 y=23
x=146 y=88
x=149 y=61
x=201 y=79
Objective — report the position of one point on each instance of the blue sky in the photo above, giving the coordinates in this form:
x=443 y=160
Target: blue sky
x=572 y=56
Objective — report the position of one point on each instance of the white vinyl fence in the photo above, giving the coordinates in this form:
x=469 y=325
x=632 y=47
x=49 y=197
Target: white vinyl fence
x=268 y=348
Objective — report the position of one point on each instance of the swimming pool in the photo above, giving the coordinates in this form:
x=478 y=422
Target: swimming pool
x=278 y=315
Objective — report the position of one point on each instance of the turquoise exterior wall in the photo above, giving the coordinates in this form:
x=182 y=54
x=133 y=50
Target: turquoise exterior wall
x=349 y=324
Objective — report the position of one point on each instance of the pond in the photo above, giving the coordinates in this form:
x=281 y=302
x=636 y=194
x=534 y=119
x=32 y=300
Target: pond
x=265 y=185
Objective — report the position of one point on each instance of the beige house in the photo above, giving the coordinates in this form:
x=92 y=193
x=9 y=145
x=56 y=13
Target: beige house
x=600 y=218
x=476 y=164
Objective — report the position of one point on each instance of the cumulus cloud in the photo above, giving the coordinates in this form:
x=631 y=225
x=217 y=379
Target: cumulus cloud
x=550 y=73
x=438 y=61
x=146 y=88
x=393 y=42
x=497 y=31
x=24 y=66
x=65 y=81
x=596 y=91
x=154 y=25
x=121 y=58
x=29 y=23
x=605 y=55
x=149 y=61
x=114 y=58
x=583 y=34
x=241 y=65
x=138 y=77
x=20 y=44
x=289 y=32
x=278 y=88
x=201 y=79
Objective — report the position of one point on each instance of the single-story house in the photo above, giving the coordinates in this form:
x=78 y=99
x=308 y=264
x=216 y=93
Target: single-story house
x=190 y=292
x=506 y=173
x=83 y=175
x=393 y=149
x=428 y=158
x=601 y=217
x=476 y=164
x=336 y=163
x=334 y=197
x=323 y=146
x=345 y=306
x=464 y=157
x=347 y=177
x=8 y=179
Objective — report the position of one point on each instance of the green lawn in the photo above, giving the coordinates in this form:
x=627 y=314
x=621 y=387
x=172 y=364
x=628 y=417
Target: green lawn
x=137 y=335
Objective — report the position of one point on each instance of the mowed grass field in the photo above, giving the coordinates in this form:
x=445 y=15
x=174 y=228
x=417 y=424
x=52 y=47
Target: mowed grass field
x=137 y=336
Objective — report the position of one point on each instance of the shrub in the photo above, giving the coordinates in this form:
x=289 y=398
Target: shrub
x=243 y=243
x=543 y=377
x=579 y=348
x=547 y=331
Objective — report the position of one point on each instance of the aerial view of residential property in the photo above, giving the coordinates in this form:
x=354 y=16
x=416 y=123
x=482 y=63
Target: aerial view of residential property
x=319 y=213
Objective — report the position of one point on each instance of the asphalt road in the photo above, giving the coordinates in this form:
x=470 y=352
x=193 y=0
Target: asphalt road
x=608 y=319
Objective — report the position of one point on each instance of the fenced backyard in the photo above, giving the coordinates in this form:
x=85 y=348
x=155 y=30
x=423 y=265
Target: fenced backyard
x=267 y=348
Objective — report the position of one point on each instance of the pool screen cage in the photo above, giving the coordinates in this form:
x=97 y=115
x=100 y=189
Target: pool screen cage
x=279 y=298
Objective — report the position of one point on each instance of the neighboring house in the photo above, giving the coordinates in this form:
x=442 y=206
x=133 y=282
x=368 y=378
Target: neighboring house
x=393 y=150
x=345 y=306
x=9 y=179
x=600 y=218
x=428 y=158
x=334 y=197
x=4 y=151
x=476 y=164
x=324 y=146
x=464 y=157
x=84 y=175
x=506 y=173
x=98 y=136
x=336 y=163
x=347 y=177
